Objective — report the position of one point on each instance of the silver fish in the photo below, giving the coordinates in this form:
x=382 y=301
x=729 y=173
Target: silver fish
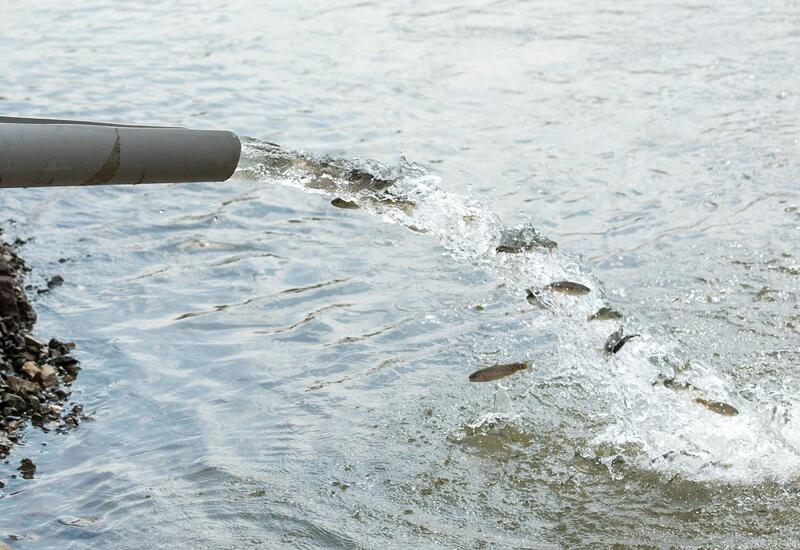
x=569 y=288
x=605 y=314
x=495 y=372
x=717 y=406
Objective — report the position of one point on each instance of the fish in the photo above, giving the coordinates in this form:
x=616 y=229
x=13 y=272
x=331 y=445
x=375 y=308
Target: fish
x=362 y=180
x=496 y=372
x=341 y=203
x=336 y=176
x=605 y=314
x=332 y=175
x=405 y=206
x=714 y=406
x=717 y=406
x=616 y=340
x=534 y=300
x=673 y=384
x=569 y=288
x=524 y=238
x=324 y=173
x=384 y=201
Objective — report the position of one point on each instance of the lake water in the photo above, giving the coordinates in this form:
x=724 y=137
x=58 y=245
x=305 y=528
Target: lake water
x=263 y=369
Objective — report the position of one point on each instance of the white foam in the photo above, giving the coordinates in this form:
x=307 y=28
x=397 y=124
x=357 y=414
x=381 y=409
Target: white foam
x=671 y=433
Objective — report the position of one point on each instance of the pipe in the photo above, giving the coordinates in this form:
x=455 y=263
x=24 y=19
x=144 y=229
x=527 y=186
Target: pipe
x=44 y=152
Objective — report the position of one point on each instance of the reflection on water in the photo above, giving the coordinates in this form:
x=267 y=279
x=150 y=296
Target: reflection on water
x=263 y=368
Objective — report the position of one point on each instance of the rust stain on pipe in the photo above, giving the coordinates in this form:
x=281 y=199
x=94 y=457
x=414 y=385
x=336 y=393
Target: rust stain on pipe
x=110 y=167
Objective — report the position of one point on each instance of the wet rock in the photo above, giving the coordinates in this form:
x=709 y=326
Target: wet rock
x=65 y=361
x=48 y=376
x=20 y=386
x=15 y=310
x=341 y=203
x=55 y=281
x=27 y=468
x=13 y=400
x=31 y=369
x=62 y=347
x=61 y=393
x=34 y=375
x=5 y=443
x=31 y=342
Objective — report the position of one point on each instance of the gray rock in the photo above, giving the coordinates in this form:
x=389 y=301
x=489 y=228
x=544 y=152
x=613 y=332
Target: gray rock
x=14 y=401
x=18 y=385
x=27 y=468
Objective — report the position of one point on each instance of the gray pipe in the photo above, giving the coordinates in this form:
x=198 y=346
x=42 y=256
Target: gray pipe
x=43 y=152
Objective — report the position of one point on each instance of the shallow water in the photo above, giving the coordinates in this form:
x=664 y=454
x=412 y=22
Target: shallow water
x=264 y=369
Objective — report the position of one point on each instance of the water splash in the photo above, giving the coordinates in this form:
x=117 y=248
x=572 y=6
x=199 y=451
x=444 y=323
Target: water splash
x=650 y=407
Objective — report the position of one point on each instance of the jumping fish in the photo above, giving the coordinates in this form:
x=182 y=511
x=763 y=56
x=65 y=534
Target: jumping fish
x=386 y=201
x=364 y=180
x=403 y=205
x=495 y=372
x=534 y=300
x=331 y=175
x=616 y=340
x=569 y=288
x=714 y=406
x=673 y=384
x=605 y=314
x=524 y=238
x=717 y=406
x=325 y=173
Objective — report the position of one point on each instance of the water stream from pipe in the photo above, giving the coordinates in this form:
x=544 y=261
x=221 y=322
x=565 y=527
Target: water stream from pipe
x=647 y=404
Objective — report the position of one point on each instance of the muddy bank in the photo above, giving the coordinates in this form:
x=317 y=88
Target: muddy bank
x=35 y=374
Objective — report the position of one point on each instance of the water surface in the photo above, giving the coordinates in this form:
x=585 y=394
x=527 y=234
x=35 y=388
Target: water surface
x=264 y=369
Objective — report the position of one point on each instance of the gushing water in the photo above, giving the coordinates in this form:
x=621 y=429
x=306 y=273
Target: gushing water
x=645 y=403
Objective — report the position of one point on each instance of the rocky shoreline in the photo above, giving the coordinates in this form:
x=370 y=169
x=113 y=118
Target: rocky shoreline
x=35 y=375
